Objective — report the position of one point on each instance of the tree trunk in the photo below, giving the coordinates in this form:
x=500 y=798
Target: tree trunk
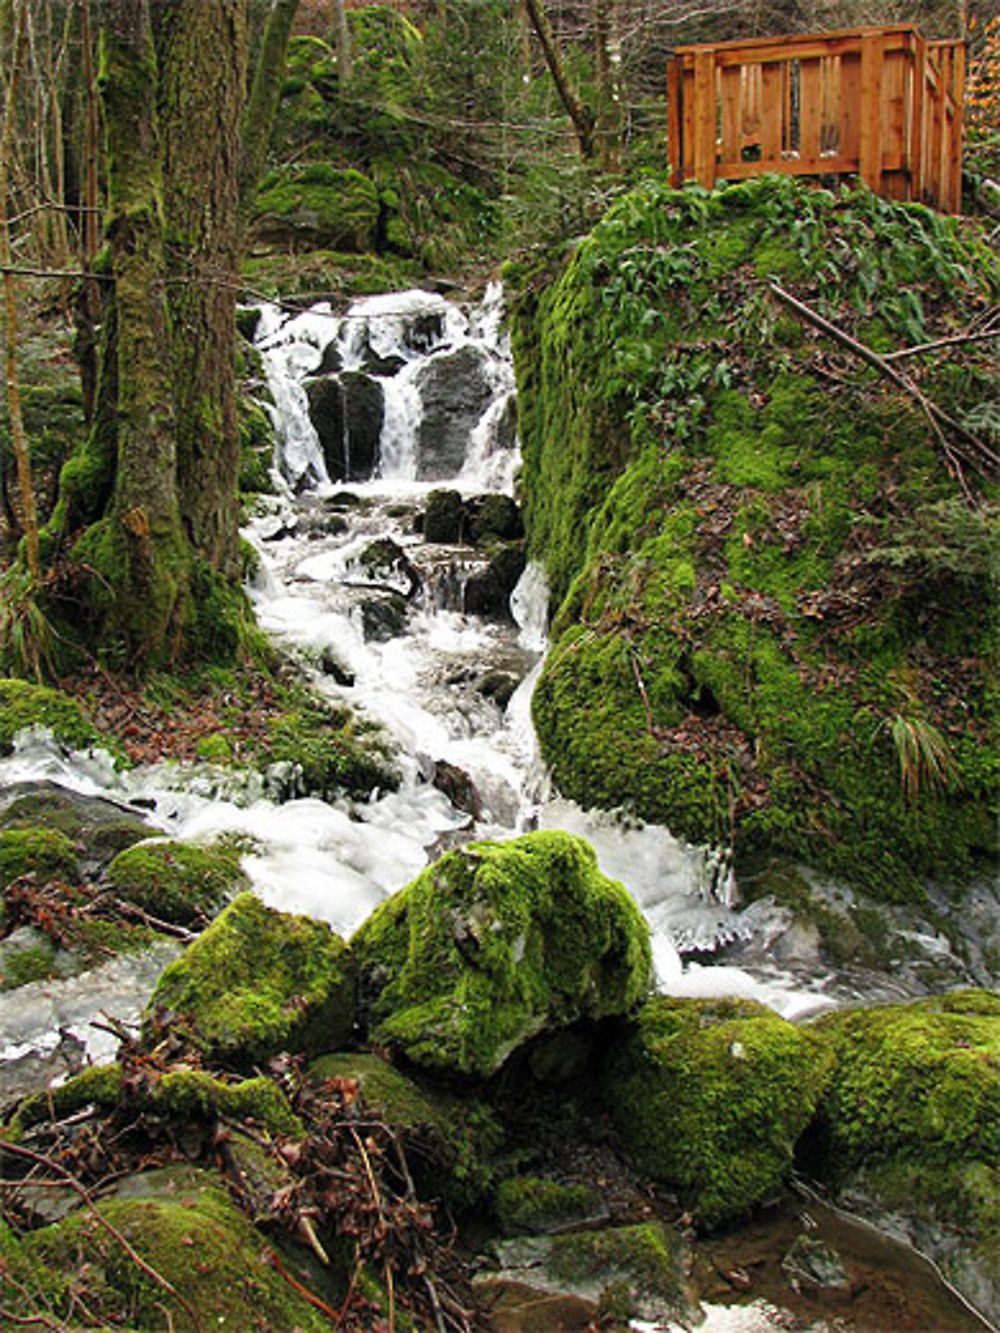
x=581 y=115
x=29 y=519
x=264 y=96
x=610 y=109
x=202 y=50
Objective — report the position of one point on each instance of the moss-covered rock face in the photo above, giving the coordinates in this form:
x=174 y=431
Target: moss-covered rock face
x=25 y=705
x=493 y=943
x=909 y=1126
x=534 y=1205
x=774 y=610
x=99 y=829
x=176 y=881
x=711 y=1096
x=255 y=983
x=183 y=1224
x=317 y=207
x=45 y=853
x=451 y=1141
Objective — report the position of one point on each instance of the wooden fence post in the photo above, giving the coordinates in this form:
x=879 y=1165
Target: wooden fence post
x=870 y=165
x=704 y=118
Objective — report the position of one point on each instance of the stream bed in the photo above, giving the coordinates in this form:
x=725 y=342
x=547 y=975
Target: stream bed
x=402 y=396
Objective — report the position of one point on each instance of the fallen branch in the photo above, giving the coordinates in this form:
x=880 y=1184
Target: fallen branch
x=976 y=452
x=40 y=1159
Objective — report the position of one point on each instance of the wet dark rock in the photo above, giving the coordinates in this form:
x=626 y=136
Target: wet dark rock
x=331 y=362
x=487 y=593
x=459 y=788
x=385 y=366
x=444 y=518
x=498 y=686
x=342 y=500
x=331 y=666
x=495 y=517
x=347 y=412
x=811 y=1262
x=383 y=616
x=456 y=391
x=384 y=561
x=283 y=530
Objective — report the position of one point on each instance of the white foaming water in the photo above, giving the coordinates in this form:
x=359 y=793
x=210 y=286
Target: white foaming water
x=425 y=686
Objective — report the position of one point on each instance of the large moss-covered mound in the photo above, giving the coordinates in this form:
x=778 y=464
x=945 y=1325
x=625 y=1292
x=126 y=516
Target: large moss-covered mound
x=910 y=1125
x=775 y=605
x=255 y=983
x=495 y=942
x=176 y=881
x=25 y=705
x=711 y=1096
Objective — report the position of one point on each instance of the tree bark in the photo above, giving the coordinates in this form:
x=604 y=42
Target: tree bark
x=610 y=109
x=581 y=115
x=29 y=518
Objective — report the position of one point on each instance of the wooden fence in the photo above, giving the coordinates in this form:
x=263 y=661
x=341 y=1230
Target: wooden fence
x=882 y=103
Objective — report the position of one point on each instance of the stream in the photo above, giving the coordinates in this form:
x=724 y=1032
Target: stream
x=418 y=396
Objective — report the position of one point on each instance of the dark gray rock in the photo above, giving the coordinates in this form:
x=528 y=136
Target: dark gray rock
x=456 y=390
x=487 y=593
x=383 y=616
x=495 y=516
x=347 y=412
x=444 y=518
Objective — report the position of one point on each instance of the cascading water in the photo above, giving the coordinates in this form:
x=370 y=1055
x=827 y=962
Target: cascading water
x=439 y=386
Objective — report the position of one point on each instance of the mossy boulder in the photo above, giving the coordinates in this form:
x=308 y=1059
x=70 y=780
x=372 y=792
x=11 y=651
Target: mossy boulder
x=317 y=206
x=493 y=944
x=602 y=1278
x=183 y=1224
x=909 y=1126
x=710 y=1096
x=538 y=1206
x=43 y=852
x=774 y=610
x=98 y=828
x=257 y=982
x=177 y=881
x=23 y=704
x=452 y=1141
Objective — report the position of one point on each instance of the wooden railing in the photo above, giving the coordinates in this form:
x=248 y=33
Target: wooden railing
x=882 y=103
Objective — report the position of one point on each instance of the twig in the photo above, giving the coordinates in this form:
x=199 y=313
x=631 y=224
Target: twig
x=981 y=454
x=274 y=1260
x=650 y=729
x=40 y=1159
x=955 y=341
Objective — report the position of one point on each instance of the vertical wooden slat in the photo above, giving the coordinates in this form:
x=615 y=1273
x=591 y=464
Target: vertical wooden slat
x=850 y=107
x=687 y=122
x=704 y=118
x=750 y=97
x=675 y=147
x=810 y=109
x=771 y=109
x=732 y=81
x=870 y=147
x=918 y=86
x=893 y=90
x=935 y=136
x=957 y=129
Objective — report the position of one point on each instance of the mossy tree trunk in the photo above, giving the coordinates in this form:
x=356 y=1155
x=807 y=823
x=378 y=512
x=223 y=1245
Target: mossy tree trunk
x=148 y=506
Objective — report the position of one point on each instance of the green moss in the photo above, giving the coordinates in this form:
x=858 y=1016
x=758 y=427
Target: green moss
x=257 y=443
x=195 y=1094
x=495 y=942
x=728 y=634
x=45 y=853
x=919 y=1082
x=319 y=204
x=534 y=1204
x=711 y=1096
x=255 y=983
x=186 y=1228
x=329 y=751
x=452 y=1142
x=98 y=1085
x=26 y=705
x=176 y=881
